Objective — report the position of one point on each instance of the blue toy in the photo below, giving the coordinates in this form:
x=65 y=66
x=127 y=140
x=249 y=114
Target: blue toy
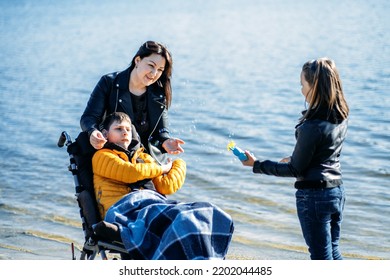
x=237 y=151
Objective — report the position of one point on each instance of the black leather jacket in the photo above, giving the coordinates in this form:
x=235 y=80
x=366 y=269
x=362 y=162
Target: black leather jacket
x=111 y=94
x=315 y=161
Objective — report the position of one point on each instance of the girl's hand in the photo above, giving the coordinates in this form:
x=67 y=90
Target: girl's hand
x=173 y=146
x=97 y=139
x=286 y=159
x=251 y=159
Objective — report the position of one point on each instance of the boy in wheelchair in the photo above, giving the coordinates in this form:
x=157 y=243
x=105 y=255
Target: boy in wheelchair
x=130 y=188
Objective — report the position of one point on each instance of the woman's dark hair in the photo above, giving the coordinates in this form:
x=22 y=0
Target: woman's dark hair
x=152 y=47
x=326 y=88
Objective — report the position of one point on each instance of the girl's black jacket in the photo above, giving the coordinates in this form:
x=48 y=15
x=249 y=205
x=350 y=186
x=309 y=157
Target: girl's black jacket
x=315 y=161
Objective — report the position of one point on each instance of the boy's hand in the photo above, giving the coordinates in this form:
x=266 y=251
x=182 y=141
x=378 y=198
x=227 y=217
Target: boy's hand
x=167 y=167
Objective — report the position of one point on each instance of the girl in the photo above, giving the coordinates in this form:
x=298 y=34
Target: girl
x=315 y=161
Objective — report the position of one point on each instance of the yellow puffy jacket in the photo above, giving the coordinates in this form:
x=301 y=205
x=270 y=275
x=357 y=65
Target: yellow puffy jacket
x=113 y=171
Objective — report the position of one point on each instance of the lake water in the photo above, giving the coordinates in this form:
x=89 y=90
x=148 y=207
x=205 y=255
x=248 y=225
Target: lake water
x=236 y=77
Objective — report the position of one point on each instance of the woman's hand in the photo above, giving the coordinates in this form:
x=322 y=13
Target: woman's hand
x=173 y=146
x=97 y=139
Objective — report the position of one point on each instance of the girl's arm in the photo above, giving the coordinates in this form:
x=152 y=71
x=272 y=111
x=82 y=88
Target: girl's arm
x=308 y=137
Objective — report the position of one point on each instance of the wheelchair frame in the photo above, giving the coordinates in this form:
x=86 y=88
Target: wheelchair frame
x=93 y=245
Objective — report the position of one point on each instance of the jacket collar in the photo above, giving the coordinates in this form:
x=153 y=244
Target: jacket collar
x=133 y=147
x=324 y=114
x=122 y=79
x=122 y=82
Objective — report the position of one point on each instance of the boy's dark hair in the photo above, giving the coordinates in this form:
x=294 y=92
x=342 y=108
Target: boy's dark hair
x=115 y=117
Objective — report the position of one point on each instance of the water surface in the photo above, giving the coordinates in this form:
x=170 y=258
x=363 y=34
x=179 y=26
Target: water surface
x=236 y=77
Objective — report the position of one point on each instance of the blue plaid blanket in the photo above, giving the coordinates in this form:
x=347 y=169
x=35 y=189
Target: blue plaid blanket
x=155 y=228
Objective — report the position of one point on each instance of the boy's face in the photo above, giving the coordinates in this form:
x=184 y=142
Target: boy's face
x=120 y=134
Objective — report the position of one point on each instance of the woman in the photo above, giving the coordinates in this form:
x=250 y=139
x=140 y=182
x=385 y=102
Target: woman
x=315 y=161
x=143 y=91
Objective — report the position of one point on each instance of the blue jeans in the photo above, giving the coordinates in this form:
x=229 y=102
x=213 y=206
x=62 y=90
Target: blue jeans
x=320 y=212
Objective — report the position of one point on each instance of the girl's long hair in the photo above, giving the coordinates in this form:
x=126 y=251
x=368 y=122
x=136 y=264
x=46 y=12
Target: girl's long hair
x=326 y=89
x=151 y=47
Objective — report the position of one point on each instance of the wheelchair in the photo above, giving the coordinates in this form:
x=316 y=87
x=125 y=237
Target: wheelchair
x=80 y=154
x=194 y=230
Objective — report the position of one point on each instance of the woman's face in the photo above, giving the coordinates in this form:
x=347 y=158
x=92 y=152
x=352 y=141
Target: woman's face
x=305 y=87
x=149 y=69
